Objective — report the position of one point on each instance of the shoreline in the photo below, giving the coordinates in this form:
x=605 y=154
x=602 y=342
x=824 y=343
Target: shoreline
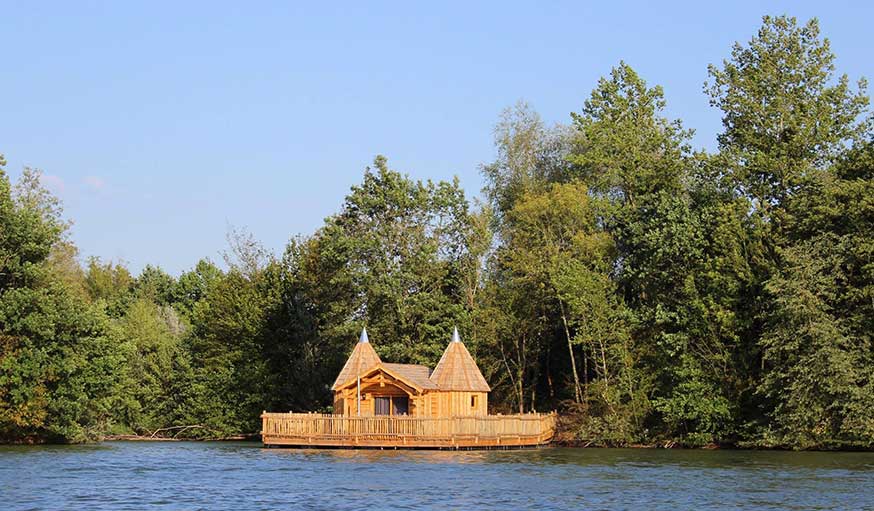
x=564 y=444
x=143 y=438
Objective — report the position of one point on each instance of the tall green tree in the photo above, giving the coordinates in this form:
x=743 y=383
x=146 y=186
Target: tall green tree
x=399 y=245
x=818 y=347
x=626 y=148
x=529 y=156
x=788 y=119
x=674 y=234
x=155 y=285
x=193 y=285
x=516 y=319
x=156 y=366
x=549 y=232
x=566 y=260
x=58 y=361
x=231 y=375
x=110 y=282
x=786 y=116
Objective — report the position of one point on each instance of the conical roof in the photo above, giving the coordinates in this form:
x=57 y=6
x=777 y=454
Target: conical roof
x=362 y=358
x=457 y=369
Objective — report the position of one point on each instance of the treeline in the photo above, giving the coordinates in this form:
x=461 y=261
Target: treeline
x=649 y=291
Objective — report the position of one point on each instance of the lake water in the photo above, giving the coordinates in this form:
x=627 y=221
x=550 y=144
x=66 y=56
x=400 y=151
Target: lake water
x=242 y=476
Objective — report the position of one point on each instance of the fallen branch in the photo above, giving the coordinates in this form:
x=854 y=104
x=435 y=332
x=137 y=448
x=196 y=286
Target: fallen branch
x=181 y=429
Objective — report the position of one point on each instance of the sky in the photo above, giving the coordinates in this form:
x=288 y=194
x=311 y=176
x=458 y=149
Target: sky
x=162 y=124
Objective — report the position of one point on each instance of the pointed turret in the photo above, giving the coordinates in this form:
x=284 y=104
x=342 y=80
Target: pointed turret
x=362 y=358
x=457 y=369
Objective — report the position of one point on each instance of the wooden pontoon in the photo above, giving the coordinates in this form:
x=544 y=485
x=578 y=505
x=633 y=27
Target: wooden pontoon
x=488 y=432
x=397 y=406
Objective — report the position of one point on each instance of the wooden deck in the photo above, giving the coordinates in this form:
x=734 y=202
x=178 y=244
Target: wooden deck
x=387 y=432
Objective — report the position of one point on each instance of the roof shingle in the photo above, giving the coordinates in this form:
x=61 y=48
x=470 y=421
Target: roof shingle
x=416 y=374
x=363 y=358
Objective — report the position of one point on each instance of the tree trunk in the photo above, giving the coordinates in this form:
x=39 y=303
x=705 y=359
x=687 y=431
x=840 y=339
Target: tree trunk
x=605 y=374
x=515 y=382
x=521 y=377
x=578 y=393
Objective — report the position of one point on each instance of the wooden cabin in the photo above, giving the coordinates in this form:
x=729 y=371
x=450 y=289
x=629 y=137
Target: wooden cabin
x=367 y=386
x=407 y=406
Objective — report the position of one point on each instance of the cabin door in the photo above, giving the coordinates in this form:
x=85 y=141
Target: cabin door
x=400 y=405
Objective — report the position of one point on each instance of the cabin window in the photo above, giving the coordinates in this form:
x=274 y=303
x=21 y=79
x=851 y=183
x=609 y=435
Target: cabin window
x=391 y=405
x=382 y=406
x=473 y=401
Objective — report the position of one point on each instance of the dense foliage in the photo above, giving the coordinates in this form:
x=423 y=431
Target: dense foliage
x=650 y=292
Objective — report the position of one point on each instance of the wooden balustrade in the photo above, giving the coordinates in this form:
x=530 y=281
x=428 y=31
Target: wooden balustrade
x=323 y=430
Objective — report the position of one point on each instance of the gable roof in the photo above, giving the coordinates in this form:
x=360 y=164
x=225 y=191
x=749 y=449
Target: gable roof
x=457 y=369
x=362 y=358
x=414 y=376
x=413 y=373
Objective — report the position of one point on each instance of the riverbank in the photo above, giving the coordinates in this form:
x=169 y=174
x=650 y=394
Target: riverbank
x=573 y=431
x=568 y=435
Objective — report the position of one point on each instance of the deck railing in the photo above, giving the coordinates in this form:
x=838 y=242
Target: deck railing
x=389 y=431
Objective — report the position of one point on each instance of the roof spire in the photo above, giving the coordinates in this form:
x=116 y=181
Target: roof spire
x=457 y=370
x=362 y=358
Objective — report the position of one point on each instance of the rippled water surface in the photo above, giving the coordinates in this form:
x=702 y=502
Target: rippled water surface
x=241 y=476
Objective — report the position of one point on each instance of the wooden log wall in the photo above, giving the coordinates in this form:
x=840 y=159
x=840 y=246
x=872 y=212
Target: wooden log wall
x=455 y=403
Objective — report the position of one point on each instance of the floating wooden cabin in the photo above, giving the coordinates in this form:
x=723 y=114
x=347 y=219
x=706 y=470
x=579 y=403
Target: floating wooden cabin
x=385 y=405
x=368 y=386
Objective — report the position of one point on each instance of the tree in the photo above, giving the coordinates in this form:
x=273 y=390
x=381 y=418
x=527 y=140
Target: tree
x=155 y=285
x=529 y=155
x=788 y=122
x=819 y=368
x=194 y=285
x=686 y=272
x=678 y=262
x=227 y=347
x=514 y=321
x=155 y=359
x=110 y=282
x=58 y=361
x=818 y=347
x=398 y=245
x=309 y=324
x=625 y=148
x=548 y=231
x=786 y=117
x=512 y=341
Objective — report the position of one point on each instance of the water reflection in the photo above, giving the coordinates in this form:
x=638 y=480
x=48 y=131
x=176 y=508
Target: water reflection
x=631 y=458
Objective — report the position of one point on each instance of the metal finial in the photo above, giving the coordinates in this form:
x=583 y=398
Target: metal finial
x=455 y=337
x=363 y=337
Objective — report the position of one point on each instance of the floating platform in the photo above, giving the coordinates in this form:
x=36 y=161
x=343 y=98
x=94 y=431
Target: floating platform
x=311 y=430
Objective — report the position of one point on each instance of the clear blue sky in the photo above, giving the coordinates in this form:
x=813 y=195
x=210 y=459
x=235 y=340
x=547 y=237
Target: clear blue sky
x=159 y=124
